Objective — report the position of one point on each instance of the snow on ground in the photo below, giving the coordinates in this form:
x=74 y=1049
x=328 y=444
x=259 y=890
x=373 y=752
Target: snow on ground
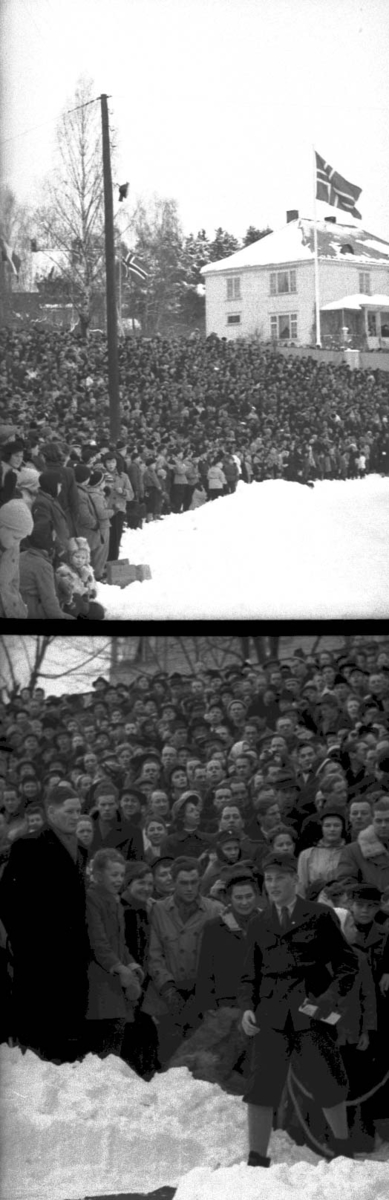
x=273 y=550
x=95 y=1128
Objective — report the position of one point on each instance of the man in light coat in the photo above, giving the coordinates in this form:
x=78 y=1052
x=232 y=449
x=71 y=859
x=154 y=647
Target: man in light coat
x=175 y=939
x=366 y=860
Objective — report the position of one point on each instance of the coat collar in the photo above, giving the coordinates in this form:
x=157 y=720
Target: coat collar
x=369 y=844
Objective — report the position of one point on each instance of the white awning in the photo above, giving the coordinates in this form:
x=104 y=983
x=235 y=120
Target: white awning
x=357 y=301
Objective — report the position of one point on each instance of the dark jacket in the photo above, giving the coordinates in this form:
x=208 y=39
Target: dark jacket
x=105 y=921
x=68 y=497
x=360 y=1015
x=185 y=841
x=49 y=519
x=220 y=968
x=42 y=906
x=122 y=836
x=282 y=968
x=137 y=929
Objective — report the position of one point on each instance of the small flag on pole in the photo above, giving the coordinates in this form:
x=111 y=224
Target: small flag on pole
x=123 y=191
x=131 y=263
x=9 y=256
x=333 y=189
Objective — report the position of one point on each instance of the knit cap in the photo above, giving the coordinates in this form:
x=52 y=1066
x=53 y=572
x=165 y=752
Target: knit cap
x=16 y=517
x=28 y=478
x=81 y=473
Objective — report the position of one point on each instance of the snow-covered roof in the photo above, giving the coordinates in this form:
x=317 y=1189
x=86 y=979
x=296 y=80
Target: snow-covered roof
x=358 y=300
x=295 y=243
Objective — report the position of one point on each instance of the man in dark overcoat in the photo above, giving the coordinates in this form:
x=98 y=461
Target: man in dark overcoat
x=43 y=909
x=295 y=952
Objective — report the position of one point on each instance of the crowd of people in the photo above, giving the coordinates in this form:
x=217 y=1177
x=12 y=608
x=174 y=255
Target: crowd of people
x=197 y=415
x=150 y=830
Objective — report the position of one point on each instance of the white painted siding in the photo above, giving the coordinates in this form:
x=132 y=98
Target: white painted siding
x=256 y=304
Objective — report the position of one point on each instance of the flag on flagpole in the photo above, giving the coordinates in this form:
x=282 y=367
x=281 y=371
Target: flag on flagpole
x=334 y=189
x=9 y=256
x=131 y=263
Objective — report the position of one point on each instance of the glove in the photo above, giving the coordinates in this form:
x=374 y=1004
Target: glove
x=173 y=999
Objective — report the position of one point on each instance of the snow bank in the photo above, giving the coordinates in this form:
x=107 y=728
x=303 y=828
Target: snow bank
x=273 y=550
x=94 y=1128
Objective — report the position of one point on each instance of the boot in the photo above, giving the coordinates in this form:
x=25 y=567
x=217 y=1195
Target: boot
x=341 y=1147
x=257 y=1160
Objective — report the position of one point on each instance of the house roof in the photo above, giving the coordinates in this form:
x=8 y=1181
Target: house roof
x=295 y=243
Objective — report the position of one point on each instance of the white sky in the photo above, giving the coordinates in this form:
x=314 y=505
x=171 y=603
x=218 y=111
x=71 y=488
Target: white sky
x=216 y=102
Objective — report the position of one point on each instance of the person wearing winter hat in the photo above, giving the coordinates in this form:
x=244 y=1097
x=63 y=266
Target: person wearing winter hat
x=55 y=459
x=99 y=550
x=302 y=955
x=119 y=493
x=185 y=837
x=76 y=583
x=37 y=579
x=27 y=485
x=49 y=520
x=321 y=861
x=87 y=523
x=16 y=523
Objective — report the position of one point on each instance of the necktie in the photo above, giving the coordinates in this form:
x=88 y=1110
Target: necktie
x=284 y=919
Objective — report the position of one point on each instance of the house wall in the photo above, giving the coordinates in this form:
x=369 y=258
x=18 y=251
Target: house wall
x=337 y=278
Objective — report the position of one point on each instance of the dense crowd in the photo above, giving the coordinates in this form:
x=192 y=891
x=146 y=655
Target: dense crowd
x=140 y=825
x=197 y=415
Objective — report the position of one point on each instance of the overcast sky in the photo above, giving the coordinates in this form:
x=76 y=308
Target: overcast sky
x=216 y=102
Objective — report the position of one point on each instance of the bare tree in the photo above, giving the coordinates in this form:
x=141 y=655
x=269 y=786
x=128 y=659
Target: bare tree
x=31 y=661
x=71 y=221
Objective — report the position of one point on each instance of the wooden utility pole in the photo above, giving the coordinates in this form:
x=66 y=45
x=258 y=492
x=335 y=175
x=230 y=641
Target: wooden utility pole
x=112 y=335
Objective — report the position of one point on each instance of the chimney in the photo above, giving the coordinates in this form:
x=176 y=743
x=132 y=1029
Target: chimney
x=330 y=220
x=291 y=215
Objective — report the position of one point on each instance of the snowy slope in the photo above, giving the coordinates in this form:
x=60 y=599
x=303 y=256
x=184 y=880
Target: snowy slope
x=272 y=550
x=94 y=1128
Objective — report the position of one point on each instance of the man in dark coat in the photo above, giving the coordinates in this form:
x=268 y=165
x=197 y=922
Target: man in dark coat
x=108 y=827
x=290 y=948
x=43 y=909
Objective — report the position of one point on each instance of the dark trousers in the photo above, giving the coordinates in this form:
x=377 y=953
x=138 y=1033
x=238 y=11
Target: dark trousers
x=115 y=533
x=315 y=1057
x=189 y=489
x=135 y=1042
x=177 y=496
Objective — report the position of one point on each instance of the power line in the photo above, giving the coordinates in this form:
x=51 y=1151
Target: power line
x=52 y=121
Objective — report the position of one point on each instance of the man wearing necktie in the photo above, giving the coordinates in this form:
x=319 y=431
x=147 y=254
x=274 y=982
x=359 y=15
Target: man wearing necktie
x=295 y=952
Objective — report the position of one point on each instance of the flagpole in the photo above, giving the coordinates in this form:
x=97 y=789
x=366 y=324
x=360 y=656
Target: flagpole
x=317 y=296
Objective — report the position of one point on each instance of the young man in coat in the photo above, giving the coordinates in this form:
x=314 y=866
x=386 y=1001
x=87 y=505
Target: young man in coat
x=43 y=909
x=289 y=949
x=366 y=860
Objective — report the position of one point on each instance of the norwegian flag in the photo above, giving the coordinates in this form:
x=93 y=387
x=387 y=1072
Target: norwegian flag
x=334 y=189
x=132 y=264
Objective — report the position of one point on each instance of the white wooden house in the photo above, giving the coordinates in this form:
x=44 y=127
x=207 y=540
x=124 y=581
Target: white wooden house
x=268 y=288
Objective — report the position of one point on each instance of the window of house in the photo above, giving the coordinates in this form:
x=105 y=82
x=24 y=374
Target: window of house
x=233 y=319
x=372 y=324
x=346 y=248
x=281 y=282
x=364 y=282
x=283 y=327
x=233 y=287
